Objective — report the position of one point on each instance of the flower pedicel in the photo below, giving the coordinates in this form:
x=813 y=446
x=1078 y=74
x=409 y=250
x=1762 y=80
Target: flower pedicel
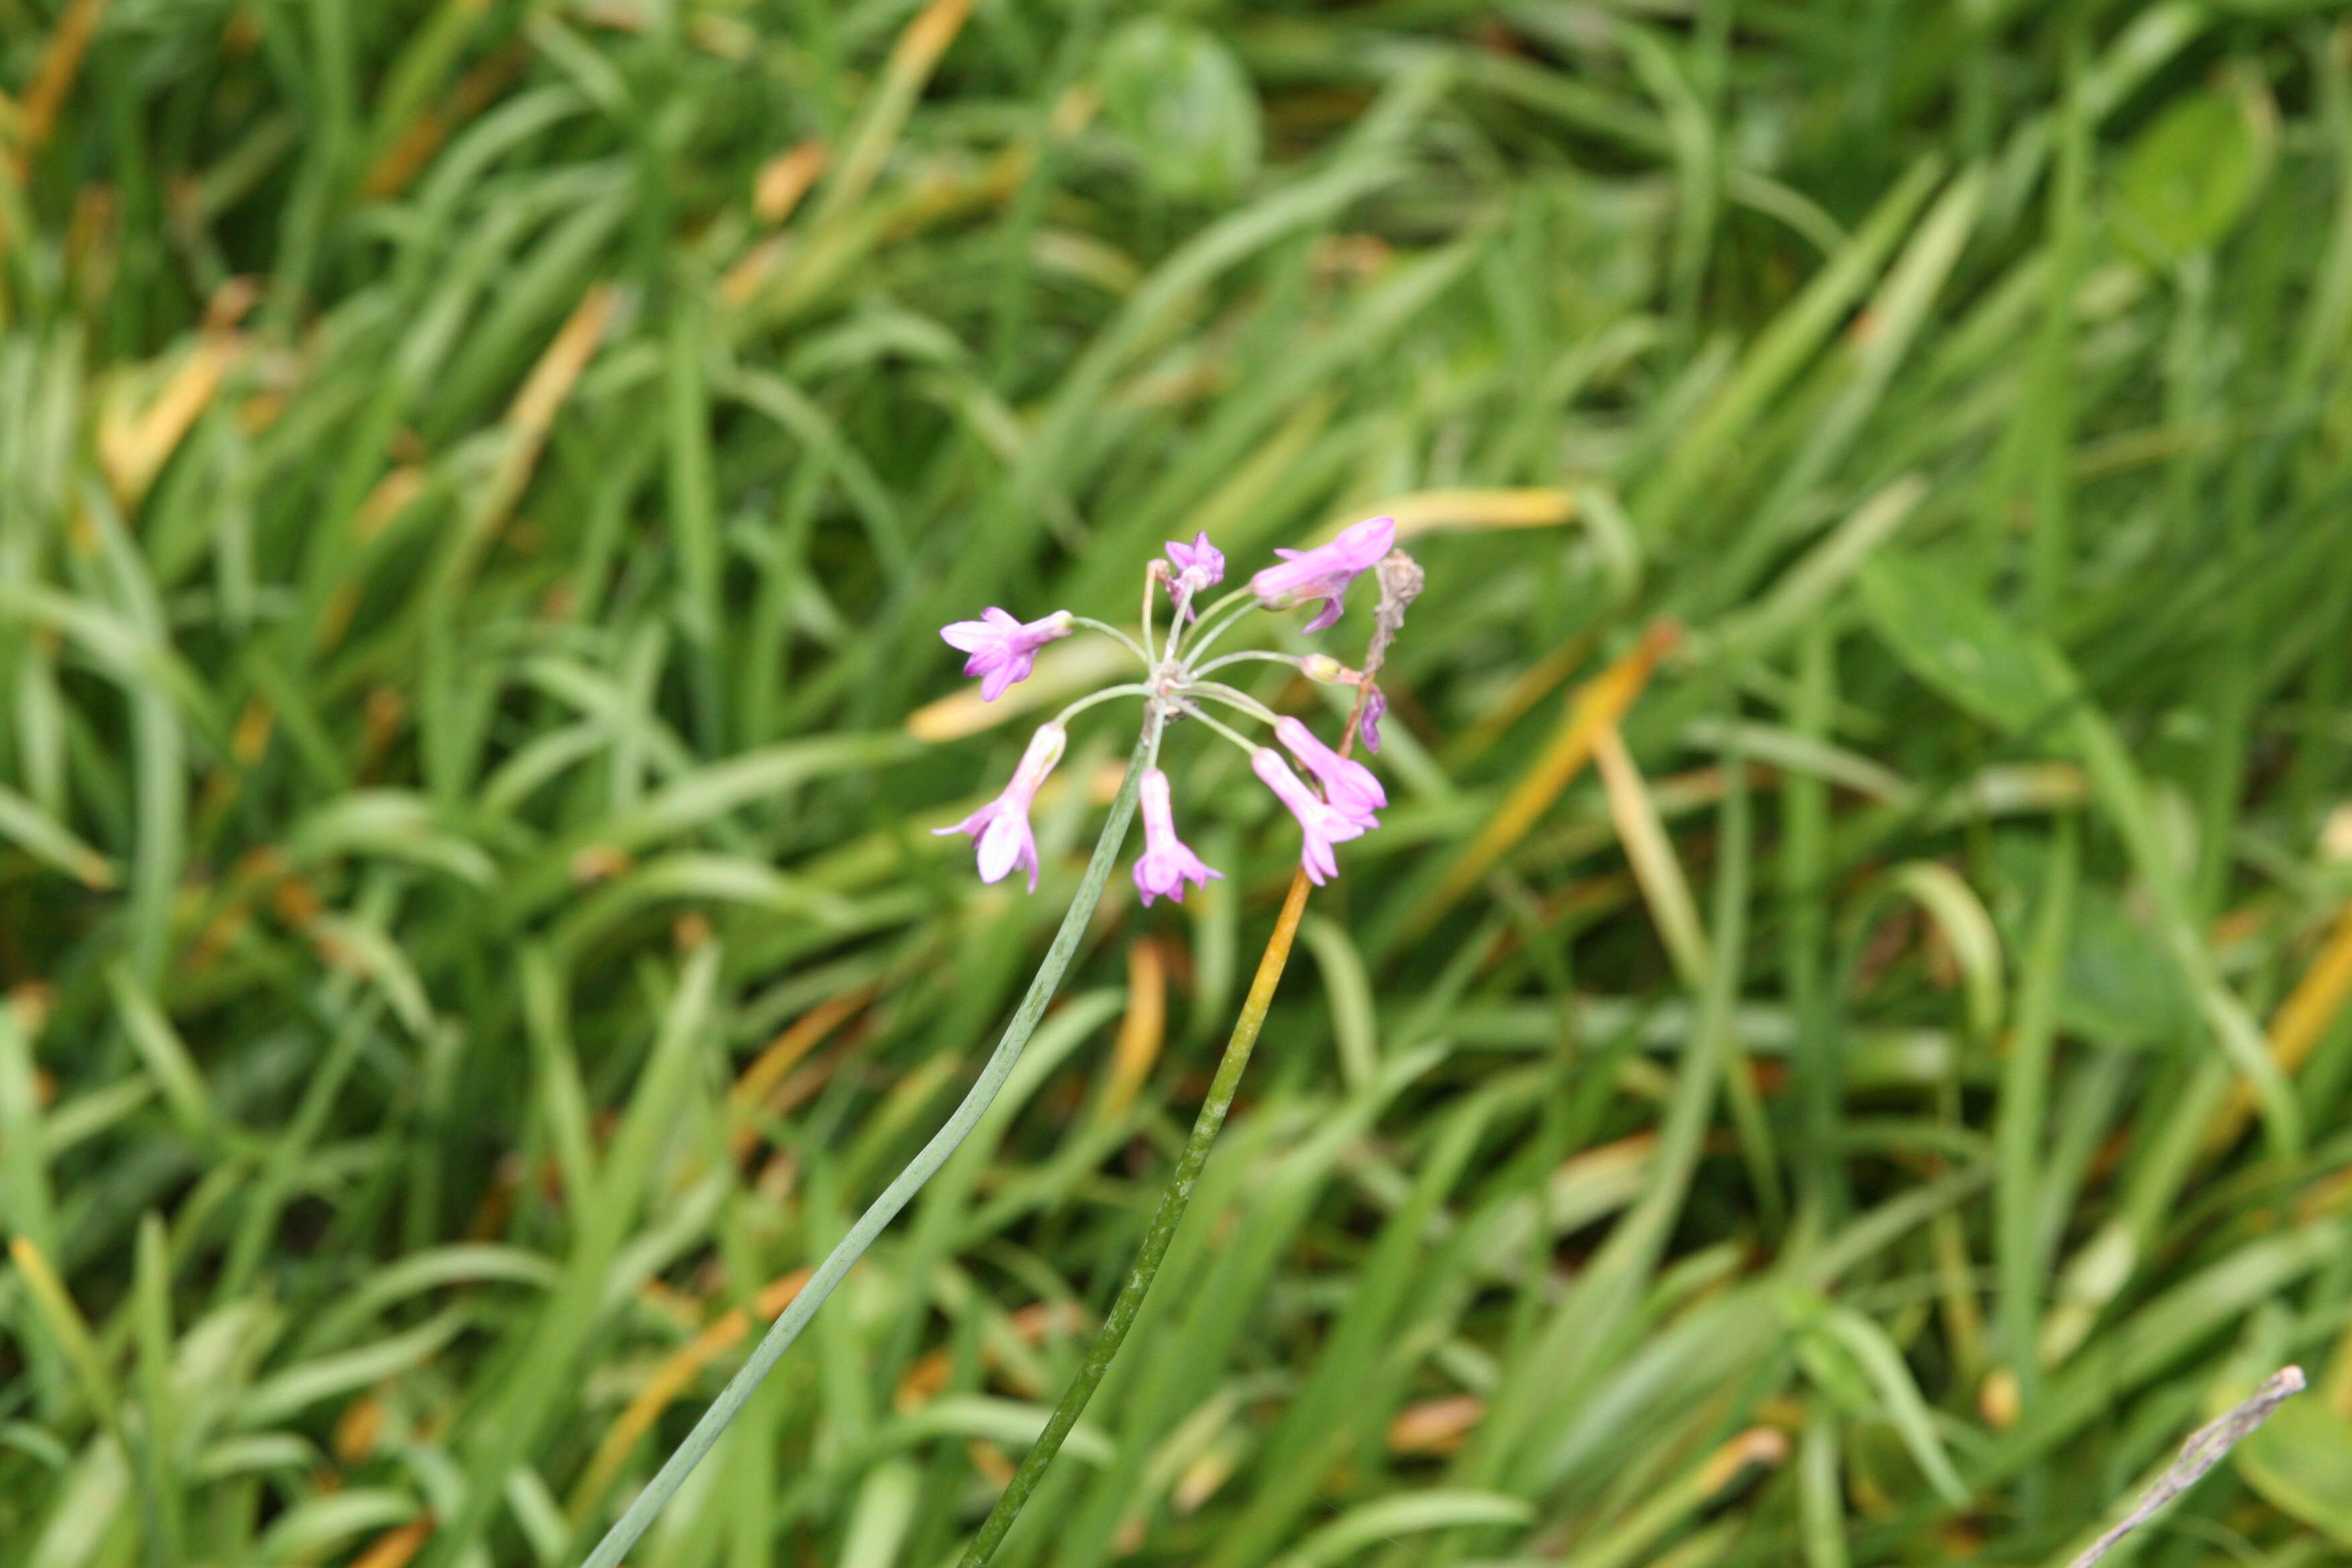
x=1178 y=684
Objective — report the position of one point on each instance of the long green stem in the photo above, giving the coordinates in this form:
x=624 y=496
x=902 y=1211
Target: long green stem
x=1195 y=1153
x=920 y=1170
x=1173 y=1201
x=1171 y=1213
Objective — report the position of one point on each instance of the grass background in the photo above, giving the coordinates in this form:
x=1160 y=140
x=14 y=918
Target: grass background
x=1850 y=1084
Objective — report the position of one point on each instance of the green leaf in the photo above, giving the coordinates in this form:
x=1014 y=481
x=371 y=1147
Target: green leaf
x=1964 y=647
x=35 y=832
x=1899 y=1398
x=2121 y=987
x=1405 y=1513
x=2192 y=173
x=884 y=1513
x=1182 y=100
x=2300 y=1460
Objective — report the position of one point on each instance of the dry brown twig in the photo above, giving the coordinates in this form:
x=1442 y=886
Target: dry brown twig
x=2202 y=1451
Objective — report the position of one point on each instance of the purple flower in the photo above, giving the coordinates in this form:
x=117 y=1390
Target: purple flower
x=1376 y=707
x=1321 y=824
x=1325 y=572
x=1193 y=569
x=1003 y=650
x=1001 y=828
x=1350 y=786
x=1165 y=864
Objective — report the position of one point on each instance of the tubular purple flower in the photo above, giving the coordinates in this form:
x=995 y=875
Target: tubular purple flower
x=1193 y=569
x=1166 y=864
x=1000 y=830
x=1325 y=570
x=1195 y=566
x=1004 y=651
x=1349 y=785
x=1320 y=824
x=1376 y=706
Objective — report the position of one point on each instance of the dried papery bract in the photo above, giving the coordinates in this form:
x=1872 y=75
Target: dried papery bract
x=1176 y=683
x=1402 y=580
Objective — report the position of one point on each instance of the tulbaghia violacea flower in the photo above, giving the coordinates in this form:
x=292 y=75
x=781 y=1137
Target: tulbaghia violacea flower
x=1000 y=829
x=1350 y=787
x=1376 y=707
x=1178 y=680
x=1166 y=865
x=1004 y=651
x=1325 y=572
x=1193 y=569
x=1320 y=824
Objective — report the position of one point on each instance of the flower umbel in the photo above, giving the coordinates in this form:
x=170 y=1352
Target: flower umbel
x=1325 y=572
x=1166 y=865
x=1004 y=651
x=1000 y=829
x=1181 y=681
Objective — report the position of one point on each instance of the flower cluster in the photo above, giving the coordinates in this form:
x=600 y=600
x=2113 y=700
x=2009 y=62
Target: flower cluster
x=1178 y=684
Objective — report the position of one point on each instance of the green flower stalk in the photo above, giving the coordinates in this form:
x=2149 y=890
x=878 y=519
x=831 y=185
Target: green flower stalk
x=1401 y=583
x=788 y=1325
x=1174 y=687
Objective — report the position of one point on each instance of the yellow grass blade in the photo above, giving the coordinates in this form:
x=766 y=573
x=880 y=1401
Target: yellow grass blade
x=1140 y=1032
x=1064 y=670
x=52 y=83
x=2298 y=1025
x=1593 y=709
x=912 y=60
x=1652 y=854
x=1437 y=511
x=671 y=1379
